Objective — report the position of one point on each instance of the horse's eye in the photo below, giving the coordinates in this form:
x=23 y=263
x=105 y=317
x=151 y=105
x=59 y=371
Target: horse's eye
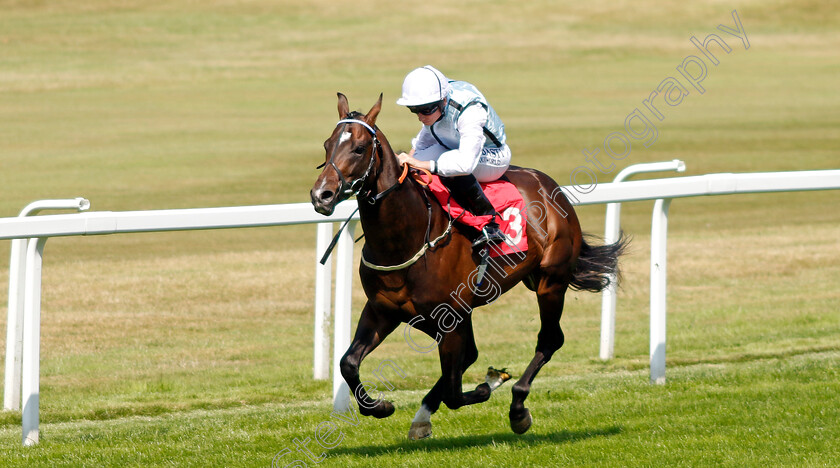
x=359 y=149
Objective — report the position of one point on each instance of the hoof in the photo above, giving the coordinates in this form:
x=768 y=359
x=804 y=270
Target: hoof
x=383 y=409
x=420 y=430
x=521 y=425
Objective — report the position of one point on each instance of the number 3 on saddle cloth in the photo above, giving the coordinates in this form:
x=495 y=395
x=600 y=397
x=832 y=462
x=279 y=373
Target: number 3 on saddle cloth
x=508 y=203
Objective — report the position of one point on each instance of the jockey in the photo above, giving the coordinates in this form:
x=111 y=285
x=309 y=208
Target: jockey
x=462 y=141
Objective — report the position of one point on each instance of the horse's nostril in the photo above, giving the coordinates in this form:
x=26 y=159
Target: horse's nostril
x=326 y=195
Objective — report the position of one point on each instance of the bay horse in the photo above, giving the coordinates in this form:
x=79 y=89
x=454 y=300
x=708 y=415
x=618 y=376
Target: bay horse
x=432 y=285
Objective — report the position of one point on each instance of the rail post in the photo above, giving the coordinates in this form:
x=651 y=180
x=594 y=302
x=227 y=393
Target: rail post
x=323 y=286
x=658 y=288
x=32 y=341
x=14 y=324
x=343 y=301
x=612 y=229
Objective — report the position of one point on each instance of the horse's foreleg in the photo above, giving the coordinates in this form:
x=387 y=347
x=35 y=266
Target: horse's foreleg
x=372 y=329
x=549 y=340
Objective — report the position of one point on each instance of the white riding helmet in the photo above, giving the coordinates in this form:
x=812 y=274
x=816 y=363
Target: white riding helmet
x=423 y=85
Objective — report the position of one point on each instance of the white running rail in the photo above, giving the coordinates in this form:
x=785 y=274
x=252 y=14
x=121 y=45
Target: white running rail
x=25 y=283
x=98 y=223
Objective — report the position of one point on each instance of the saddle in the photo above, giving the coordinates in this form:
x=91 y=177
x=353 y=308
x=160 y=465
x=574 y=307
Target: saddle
x=507 y=201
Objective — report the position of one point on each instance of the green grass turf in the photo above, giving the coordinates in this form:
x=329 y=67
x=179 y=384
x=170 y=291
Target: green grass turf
x=757 y=413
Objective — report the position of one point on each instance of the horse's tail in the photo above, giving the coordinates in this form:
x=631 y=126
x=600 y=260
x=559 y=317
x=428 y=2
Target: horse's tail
x=598 y=265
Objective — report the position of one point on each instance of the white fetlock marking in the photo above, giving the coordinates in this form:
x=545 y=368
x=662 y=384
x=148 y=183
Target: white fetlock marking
x=422 y=415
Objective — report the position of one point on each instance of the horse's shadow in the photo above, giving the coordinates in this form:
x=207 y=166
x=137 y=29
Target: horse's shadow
x=449 y=443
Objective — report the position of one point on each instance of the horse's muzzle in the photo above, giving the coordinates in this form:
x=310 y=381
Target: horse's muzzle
x=323 y=200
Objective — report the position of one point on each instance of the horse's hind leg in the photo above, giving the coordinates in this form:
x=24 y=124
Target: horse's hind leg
x=550 y=296
x=457 y=353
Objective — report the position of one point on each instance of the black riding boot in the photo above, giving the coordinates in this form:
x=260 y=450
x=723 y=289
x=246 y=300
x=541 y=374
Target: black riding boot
x=468 y=193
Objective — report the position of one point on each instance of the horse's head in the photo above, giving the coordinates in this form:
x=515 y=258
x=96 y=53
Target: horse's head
x=351 y=154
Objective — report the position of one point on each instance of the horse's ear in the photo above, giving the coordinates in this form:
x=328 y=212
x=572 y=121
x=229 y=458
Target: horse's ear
x=343 y=106
x=370 y=118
